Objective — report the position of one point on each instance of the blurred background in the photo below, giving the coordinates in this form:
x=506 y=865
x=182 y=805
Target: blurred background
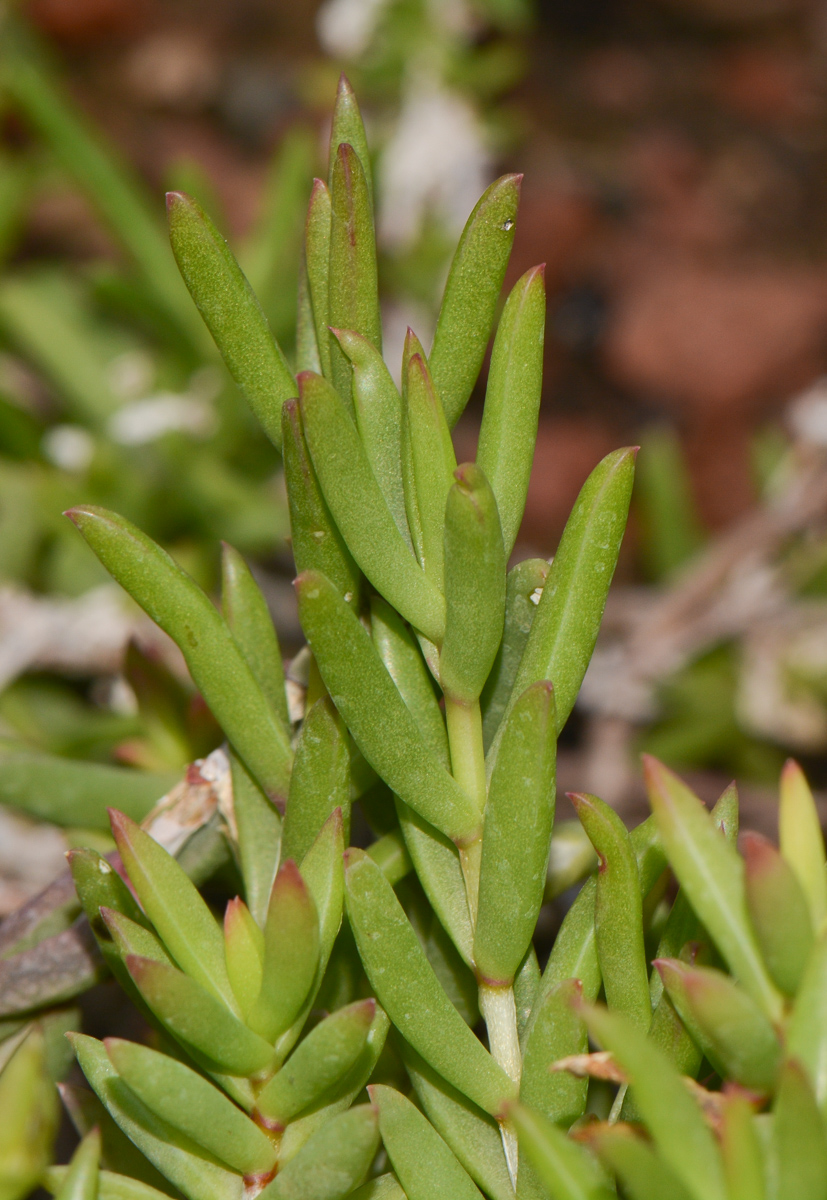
x=675 y=159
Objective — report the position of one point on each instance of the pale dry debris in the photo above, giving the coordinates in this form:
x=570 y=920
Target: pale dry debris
x=205 y=790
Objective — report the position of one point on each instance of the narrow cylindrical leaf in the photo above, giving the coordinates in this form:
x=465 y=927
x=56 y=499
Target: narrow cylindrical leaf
x=323 y=872
x=318 y=1063
x=86 y=1113
x=807 y=1029
x=347 y=126
x=429 y=466
x=354 y=289
x=799 y=1138
x=383 y=1187
x=81 y=1180
x=741 y=1151
x=712 y=874
x=409 y=991
x=801 y=839
x=360 y=511
x=244 y=951
x=618 y=914
x=259 y=829
x=176 y=909
x=730 y=1027
x=439 y=870
x=316 y=542
x=175 y=601
x=568 y=616
x=427 y=1168
x=99 y=885
x=193 y=1017
x=471 y=294
x=556 y=1032
x=332 y=1162
x=566 y=1169
x=523 y=588
x=643 y=1175
x=188 y=1102
x=307 y=346
x=512 y=400
x=112 y=1186
x=673 y=1118
x=376 y=715
x=474 y=586
x=291 y=954
x=320 y=781
x=378 y=418
x=231 y=312
x=516 y=836
x=245 y=611
x=779 y=912
x=132 y=938
x=317 y=259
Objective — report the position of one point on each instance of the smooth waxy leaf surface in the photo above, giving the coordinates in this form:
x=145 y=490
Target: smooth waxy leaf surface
x=801 y=839
x=244 y=953
x=512 y=401
x=516 y=836
x=333 y=1161
x=175 y=602
x=430 y=462
x=245 y=611
x=188 y=1102
x=259 y=839
x=130 y=937
x=376 y=715
x=320 y=781
x=399 y=651
x=474 y=586
x=523 y=588
x=360 y=510
x=711 y=872
x=317 y=261
x=291 y=954
x=556 y=1032
x=438 y=868
x=231 y=312
x=81 y=1179
x=425 y=1165
x=323 y=872
x=779 y=912
x=471 y=293
x=409 y=991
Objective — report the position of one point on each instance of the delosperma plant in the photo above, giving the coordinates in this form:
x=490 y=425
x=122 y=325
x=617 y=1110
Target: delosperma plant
x=437 y=684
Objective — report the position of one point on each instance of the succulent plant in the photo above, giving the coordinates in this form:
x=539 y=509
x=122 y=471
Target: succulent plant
x=437 y=683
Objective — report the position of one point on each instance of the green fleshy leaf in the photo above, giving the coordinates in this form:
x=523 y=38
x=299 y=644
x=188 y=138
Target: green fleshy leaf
x=320 y=781
x=383 y=1187
x=130 y=937
x=516 y=836
x=317 y=543
x=111 y=1186
x=259 y=828
x=319 y=1063
x=245 y=611
x=174 y=1155
x=323 y=872
x=391 y=857
x=437 y=865
x=523 y=588
x=427 y=1168
x=409 y=991
x=643 y=1175
x=375 y=713
x=556 y=1032
x=474 y=586
x=185 y=924
x=291 y=954
x=231 y=312
x=799 y=1138
x=712 y=874
x=29 y=1105
x=801 y=840
x=347 y=126
x=333 y=1162
x=81 y=1179
x=566 y=1169
x=307 y=346
x=429 y=463
x=175 y=601
x=87 y=1113
x=779 y=912
x=470 y=1133
x=194 y=1018
x=725 y=1022
x=244 y=952
x=317 y=259
x=471 y=294
x=526 y=989
x=360 y=510
x=403 y=659
x=512 y=401
x=741 y=1151
x=618 y=914
x=807 y=1028
x=188 y=1102
x=673 y=1118
x=354 y=288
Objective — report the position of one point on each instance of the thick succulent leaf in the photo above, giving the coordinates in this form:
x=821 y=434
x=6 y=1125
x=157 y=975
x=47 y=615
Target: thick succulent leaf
x=81 y=1179
x=801 y=839
x=799 y=1138
x=259 y=839
x=99 y=886
x=644 y=1176
x=742 y=1151
x=523 y=588
x=174 y=1155
x=427 y=1168
x=475 y=565
x=516 y=836
x=471 y=294
x=618 y=913
x=383 y=1187
x=319 y=1063
x=807 y=1028
x=391 y=856
x=729 y=1026
x=568 y=616
x=712 y=874
x=175 y=601
x=376 y=715
x=556 y=1032
x=30 y=1111
x=512 y=400
x=526 y=988
x=409 y=991
x=188 y=1102
x=195 y=1018
x=347 y=126
x=307 y=345
x=111 y=1186
x=244 y=953
x=230 y=311
x=245 y=611
x=317 y=260
x=674 y=1120
x=316 y=542
x=566 y=1169
x=438 y=868
x=333 y=1162
x=429 y=463
x=291 y=954
x=86 y=1113
x=471 y=1134
x=130 y=937
x=323 y=872
x=779 y=912
x=320 y=781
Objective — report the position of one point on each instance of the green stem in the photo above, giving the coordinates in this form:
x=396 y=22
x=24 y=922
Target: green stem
x=500 y=1014
x=464 y=723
